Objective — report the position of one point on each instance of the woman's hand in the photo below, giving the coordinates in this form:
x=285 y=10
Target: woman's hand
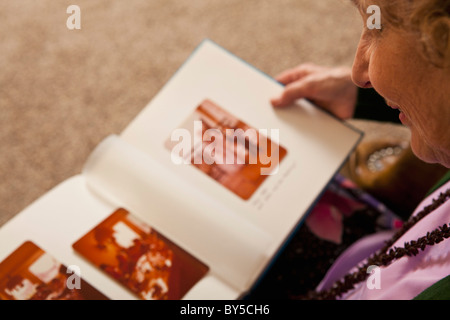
x=329 y=88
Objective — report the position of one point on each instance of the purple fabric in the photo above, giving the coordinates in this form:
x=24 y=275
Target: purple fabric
x=405 y=278
x=353 y=256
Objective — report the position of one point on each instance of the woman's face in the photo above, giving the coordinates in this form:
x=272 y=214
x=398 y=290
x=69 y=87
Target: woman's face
x=390 y=61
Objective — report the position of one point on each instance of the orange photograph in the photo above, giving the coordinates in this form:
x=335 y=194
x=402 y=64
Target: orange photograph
x=29 y=273
x=243 y=175
x=140 y=258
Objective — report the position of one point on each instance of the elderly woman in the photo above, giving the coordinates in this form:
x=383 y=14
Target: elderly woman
x=407 y=62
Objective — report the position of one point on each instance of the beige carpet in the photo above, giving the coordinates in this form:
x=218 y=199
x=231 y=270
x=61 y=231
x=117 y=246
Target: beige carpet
x=62 y=92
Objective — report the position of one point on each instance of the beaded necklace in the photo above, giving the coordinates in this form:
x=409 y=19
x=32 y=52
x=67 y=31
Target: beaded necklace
x=385 y=257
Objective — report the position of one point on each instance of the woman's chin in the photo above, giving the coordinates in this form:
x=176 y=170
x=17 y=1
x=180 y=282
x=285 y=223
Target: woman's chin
x=429 y=154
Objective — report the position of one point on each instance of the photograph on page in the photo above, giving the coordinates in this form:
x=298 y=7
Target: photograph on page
x=140 y=258
x=234 y=154
x=30 y=273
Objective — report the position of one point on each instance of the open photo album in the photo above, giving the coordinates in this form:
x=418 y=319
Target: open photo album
x=193 y=200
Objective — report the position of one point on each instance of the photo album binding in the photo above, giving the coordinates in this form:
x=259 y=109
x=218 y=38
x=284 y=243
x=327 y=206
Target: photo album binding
x=193 y=200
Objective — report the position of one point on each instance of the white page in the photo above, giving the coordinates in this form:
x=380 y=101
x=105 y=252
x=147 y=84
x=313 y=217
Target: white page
x=316 y=142
x=63 y=215
x=54 y=222
x=233 y=248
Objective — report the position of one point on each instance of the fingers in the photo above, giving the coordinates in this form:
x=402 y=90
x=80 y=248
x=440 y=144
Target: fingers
x=287 y=76
x=296 y=81
x=292 y=92
x=296 y=73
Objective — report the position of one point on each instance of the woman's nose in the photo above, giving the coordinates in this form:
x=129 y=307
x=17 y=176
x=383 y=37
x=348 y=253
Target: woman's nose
x=360 y=71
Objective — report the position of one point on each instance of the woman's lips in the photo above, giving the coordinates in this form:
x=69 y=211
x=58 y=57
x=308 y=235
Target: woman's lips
x=401 y=116
x=392 y=105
